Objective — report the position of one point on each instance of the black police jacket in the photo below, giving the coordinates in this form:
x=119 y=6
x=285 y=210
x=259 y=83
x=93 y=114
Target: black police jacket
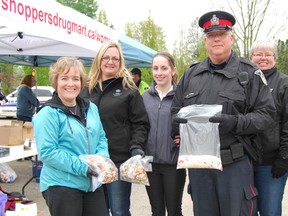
x=254 y=109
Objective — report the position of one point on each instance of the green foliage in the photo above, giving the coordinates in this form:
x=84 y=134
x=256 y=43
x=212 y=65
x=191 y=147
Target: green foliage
x=7 y=78
x=102 y=17
x=147 y=33
x=42 y=74
x=282 y=60
x=182 y=54
x=87 y=7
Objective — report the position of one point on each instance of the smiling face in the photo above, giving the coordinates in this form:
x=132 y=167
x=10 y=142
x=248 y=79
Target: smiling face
x=110 y=63
x=219 y=45
x=162 y=71
x=69 y=86
x=264 y=59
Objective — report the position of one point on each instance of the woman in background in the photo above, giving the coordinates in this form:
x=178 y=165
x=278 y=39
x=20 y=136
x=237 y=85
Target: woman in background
x=166 y=182
x=27 y=102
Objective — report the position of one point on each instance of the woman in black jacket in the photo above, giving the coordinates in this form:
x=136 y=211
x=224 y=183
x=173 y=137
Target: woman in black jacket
x=271 y=175
x=123 y=115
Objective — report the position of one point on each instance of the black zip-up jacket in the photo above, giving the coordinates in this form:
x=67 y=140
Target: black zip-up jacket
x=200 y=84
x=123 y=115
x=275 y=140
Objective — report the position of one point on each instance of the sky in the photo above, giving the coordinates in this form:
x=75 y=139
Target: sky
x=172 y=15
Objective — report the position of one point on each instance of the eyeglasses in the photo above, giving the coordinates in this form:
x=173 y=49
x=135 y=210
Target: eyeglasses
x=108 y=58
x=263 y=55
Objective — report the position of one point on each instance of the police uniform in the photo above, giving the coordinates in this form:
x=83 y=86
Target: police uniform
x=245 y=97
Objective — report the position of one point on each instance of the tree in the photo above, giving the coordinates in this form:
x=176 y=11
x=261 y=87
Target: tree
x=87 y=7
x=182 y=54
x=149 y=34
x=102 y=17
x=282 y=60
x=254 y=19
x=7 y=78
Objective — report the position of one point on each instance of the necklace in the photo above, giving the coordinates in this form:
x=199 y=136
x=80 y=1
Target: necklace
x=73 y=109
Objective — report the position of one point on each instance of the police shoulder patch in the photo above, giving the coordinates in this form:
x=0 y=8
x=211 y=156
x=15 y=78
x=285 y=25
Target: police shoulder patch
x=261 y=75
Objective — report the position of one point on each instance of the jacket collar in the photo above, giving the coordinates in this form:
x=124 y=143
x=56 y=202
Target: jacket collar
x=228 y=71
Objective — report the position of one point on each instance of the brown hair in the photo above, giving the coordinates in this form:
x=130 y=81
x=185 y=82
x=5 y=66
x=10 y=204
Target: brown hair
x=27 y=80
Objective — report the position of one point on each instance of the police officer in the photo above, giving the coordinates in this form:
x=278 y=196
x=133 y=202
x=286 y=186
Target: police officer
x=248 y=108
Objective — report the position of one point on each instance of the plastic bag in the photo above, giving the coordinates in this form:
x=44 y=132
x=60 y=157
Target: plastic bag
x=7 y=174
x=200 y=142
x=104 y=166
x=134 y=170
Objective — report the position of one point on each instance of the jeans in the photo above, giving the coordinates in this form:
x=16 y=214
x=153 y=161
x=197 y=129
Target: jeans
x=63 y=201
x=118 y=196
x=270 y=190
x=24 y=118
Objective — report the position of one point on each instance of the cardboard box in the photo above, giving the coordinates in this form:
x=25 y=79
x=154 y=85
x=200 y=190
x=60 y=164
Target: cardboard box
x=28 y=131
x=11 y=135
x=16 y=133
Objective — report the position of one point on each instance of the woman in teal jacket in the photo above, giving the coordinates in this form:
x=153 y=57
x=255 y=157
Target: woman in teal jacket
x=66 y=127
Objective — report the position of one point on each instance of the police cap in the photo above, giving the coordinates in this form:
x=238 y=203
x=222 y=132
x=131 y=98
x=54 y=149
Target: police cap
x=216 y=21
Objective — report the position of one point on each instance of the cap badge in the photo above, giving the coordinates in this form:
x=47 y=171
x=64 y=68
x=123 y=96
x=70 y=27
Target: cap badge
x=214 y=20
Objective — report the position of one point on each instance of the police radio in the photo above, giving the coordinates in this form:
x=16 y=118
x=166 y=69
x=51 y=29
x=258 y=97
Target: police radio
x=244 y=80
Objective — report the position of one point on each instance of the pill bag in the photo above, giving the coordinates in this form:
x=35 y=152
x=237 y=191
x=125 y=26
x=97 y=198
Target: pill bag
x=200 y=142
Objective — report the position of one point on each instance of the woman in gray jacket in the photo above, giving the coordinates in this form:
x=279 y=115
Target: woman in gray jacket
x=166 y=182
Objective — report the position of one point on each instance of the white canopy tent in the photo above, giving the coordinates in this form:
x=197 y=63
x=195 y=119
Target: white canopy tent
x=37 y=33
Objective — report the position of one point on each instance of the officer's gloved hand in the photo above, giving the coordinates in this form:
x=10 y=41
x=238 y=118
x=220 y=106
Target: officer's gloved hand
x=227 y=123
x=91 y=173
x=175 y=126
x=137 y=151
x=279 y=168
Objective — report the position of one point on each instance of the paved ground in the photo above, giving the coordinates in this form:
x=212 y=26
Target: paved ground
x=139 y=200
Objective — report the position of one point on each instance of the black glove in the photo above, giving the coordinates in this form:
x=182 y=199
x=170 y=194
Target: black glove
x=279 y=168
x=175 y=126
x=91 y=173
x=137 y=151
x=227 y=122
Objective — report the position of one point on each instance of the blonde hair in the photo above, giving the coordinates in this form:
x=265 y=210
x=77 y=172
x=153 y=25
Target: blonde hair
x=62 y=66
x=95 y=75
x=171 y=61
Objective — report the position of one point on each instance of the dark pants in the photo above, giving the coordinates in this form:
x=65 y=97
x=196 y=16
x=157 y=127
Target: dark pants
x=63 y=201
x=230 y=192
x=24 y=118
x=166 y=189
